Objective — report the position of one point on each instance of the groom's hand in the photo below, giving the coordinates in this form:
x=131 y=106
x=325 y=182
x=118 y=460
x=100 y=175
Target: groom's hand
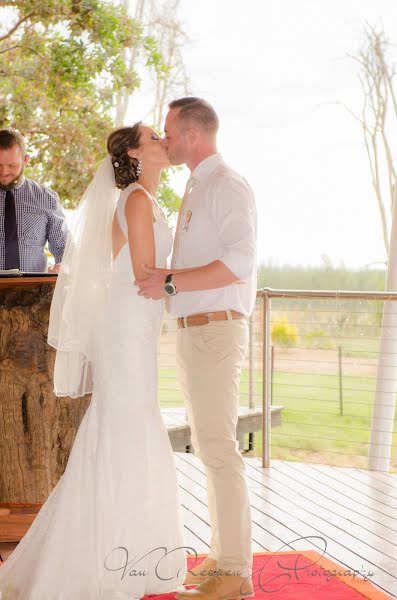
x=153 y=285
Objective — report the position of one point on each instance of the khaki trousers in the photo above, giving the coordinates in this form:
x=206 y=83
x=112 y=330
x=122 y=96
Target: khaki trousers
x=209 y=361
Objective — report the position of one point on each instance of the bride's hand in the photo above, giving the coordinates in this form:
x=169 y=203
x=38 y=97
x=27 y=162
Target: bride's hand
x=152 y=286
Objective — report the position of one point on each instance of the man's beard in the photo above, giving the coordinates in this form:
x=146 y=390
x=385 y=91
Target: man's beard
x=14 y=182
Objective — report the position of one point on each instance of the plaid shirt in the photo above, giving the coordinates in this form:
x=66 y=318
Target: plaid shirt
x=40 y=217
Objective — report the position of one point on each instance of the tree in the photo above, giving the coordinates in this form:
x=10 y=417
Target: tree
x=378 y=119
x=165 y=36
x=171 y=39
x=62 y=68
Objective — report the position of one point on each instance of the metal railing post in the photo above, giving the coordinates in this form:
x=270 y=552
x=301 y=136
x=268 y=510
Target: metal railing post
x=251 y=363
x=385 y=399
x=251 y=375
x=266 y=409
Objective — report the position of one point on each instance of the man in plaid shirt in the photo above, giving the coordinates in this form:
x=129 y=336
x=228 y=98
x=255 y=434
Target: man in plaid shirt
x=30 y=214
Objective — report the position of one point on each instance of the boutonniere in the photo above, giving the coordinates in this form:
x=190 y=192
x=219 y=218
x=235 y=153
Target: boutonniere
x=188 y=216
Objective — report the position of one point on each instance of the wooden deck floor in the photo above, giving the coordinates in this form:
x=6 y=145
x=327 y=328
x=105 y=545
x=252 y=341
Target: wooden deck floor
x=348 y=515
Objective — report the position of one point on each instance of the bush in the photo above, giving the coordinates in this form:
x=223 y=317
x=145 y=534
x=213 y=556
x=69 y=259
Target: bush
x=283 y=333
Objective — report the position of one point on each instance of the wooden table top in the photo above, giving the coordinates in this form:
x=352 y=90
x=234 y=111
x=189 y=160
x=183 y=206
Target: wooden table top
x=31 y=281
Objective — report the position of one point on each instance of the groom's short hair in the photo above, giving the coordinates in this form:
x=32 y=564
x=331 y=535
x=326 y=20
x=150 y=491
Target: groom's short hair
x=198 y=111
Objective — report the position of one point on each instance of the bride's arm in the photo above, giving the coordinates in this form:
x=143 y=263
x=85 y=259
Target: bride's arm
x=139 y=215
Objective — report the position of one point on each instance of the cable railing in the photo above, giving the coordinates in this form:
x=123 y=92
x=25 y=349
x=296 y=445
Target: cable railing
x=324 y=359
x=318 y=382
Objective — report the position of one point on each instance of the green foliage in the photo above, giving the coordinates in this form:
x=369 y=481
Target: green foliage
x=320 y=278
x=337 y=317
x=313 y=338
x=166 y=195
x=283 y=332
x=155 y=58
x=312 y=429
x=61 y=71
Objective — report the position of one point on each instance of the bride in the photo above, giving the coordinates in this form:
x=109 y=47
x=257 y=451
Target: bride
x=111 y=528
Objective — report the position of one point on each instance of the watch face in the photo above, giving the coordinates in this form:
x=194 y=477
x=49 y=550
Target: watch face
x=169 y=288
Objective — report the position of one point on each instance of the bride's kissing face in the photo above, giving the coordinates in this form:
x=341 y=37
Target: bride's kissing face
x=151 y=149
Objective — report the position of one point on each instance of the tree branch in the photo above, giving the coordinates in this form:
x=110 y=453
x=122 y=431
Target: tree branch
x=16 y=26
x=8 y=74
x=23 y=48
x=9 y=49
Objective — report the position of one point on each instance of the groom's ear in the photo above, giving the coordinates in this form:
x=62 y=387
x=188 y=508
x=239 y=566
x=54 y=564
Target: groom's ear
x=193 y=135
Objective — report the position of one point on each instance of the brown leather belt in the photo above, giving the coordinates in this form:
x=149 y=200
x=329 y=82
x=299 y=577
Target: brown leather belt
x=205 y=318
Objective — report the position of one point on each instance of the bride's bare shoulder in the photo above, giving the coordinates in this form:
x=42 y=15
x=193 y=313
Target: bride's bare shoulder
x=138 y=202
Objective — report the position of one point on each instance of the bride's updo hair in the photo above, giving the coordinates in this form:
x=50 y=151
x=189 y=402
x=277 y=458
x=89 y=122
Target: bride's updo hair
x=119 y=142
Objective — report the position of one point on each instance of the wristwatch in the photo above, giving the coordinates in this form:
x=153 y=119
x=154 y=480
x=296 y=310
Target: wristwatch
x=169 y=287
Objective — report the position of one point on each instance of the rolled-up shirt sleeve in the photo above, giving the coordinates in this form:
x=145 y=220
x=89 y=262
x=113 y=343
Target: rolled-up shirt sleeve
x=233 y=209
x=56 y=227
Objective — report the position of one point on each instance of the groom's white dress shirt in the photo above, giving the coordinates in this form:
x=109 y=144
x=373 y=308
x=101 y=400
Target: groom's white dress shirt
x=217 y=221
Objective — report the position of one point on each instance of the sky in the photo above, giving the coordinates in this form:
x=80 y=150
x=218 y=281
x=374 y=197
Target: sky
x=278 y=74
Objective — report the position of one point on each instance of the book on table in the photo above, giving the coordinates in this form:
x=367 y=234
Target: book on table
x=19 y=273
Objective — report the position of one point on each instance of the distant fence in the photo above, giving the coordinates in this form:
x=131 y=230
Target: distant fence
x=313 y=356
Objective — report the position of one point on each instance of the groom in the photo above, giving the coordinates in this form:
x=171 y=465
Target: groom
x=211 y=288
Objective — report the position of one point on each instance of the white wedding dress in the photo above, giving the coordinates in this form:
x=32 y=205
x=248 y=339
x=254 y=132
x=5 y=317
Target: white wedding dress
x=111 y=529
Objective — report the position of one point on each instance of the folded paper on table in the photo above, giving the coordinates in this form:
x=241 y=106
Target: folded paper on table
x=18 y=273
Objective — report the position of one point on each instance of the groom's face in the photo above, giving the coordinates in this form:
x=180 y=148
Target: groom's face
x=176 y=140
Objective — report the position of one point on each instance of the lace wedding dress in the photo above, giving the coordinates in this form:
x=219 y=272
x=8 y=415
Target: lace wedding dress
x=111 y=529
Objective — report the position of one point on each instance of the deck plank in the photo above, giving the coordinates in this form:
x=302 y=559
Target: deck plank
x=270 y=507
x=295 y=506
x=198 y=503
x=388 y=478
x=310 y=480
x=288 y=506
x=316 y=506
x=369 y=479
x=364 y=494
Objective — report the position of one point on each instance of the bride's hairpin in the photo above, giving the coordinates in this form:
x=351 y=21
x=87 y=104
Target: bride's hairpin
x=116 y=164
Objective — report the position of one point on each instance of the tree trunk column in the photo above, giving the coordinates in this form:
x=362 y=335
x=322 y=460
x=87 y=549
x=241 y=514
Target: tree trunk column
x=37 y=429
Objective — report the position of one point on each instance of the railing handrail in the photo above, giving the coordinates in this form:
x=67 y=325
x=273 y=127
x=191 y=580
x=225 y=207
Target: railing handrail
x=384 y=400
x=337 y=294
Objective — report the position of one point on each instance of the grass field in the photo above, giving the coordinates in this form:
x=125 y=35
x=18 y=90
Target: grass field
x=312 y=337
x=313 y=429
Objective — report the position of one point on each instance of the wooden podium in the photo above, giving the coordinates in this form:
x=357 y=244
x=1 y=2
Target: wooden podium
x=37 y=429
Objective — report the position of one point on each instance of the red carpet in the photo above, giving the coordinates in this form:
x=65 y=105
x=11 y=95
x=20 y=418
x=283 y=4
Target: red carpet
x=302 y=576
